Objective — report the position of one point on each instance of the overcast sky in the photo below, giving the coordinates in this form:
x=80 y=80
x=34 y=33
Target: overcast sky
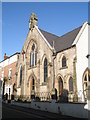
x=57 y=18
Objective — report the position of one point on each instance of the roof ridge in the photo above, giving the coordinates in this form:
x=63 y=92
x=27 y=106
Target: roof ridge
x=70 y=31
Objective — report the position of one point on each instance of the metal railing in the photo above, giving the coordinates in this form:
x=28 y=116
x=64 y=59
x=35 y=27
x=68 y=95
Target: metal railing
x=47 y=96
x=43 y=96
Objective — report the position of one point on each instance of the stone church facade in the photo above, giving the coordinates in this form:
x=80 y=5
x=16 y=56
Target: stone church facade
x=47 y=65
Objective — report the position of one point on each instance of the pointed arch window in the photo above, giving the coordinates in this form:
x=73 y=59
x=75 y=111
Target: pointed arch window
x=64 y=61
x=71 y=84
x=33 y=56
x=88 y=77
x=45 y=70
x=20 y=75
x=85 y=79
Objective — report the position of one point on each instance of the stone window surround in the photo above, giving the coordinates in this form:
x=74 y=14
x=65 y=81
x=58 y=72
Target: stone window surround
x=60 y=61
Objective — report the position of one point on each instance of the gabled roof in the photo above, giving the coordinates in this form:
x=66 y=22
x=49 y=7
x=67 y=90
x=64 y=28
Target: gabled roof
x=63 y=42
x=49 y=37
x=66 y=40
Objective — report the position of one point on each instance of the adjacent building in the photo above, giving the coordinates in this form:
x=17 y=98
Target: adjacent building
x=50 y=64
x=8 y=73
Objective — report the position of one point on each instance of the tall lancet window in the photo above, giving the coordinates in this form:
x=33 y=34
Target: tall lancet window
x=36 y=57
x=32 y=59
x=45 y=70
x=20 y=75
x=33 y=55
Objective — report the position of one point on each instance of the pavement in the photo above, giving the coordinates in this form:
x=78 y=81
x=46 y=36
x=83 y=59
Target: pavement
x=18 y=111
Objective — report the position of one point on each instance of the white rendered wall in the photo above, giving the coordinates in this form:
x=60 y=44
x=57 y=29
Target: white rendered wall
x=7 y=86
x=82 y=61
x=9 y=61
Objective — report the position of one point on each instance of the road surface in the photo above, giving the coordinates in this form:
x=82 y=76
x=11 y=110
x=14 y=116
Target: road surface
x=12 y=111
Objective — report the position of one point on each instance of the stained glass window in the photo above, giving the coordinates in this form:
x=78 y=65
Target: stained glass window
x=33 y=47
x=33 y=56
x=33 y=59
x=36 y=57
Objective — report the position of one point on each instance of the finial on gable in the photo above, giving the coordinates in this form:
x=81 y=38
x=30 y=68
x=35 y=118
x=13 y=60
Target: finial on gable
x=32 y=21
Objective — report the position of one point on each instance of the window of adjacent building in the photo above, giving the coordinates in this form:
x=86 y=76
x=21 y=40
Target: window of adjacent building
x=2 y=76
x=9 y=91
x=6 y=90
x=64 y=61
x=85 y=79
x=9 y=74
x=33 y=56
x=45 y=70
x=20 y=75
x=13 y=87
x=71 y=84
x=60 y=86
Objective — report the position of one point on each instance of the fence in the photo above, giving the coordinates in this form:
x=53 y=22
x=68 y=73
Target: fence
x=47 y=96
x=43 y=96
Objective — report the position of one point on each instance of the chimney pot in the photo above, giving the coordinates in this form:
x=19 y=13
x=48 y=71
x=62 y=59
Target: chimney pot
x=5 y=57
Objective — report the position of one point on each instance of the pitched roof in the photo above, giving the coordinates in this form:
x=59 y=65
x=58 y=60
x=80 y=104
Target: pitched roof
x=63 y=42
x=49 y=36
x=10 y=56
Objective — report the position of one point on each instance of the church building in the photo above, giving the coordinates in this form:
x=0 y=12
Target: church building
x=51 y=66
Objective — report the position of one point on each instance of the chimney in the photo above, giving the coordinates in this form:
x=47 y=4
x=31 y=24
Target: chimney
x=5 y=57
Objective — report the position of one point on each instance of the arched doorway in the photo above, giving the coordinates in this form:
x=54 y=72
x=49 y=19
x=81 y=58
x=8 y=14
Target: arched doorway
x=60 y=87
x=32 y=85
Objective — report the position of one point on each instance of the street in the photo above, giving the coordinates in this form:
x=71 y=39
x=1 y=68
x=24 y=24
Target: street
x=11 y=111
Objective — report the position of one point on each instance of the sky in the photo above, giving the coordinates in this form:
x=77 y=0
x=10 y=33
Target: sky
x=57 y=18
